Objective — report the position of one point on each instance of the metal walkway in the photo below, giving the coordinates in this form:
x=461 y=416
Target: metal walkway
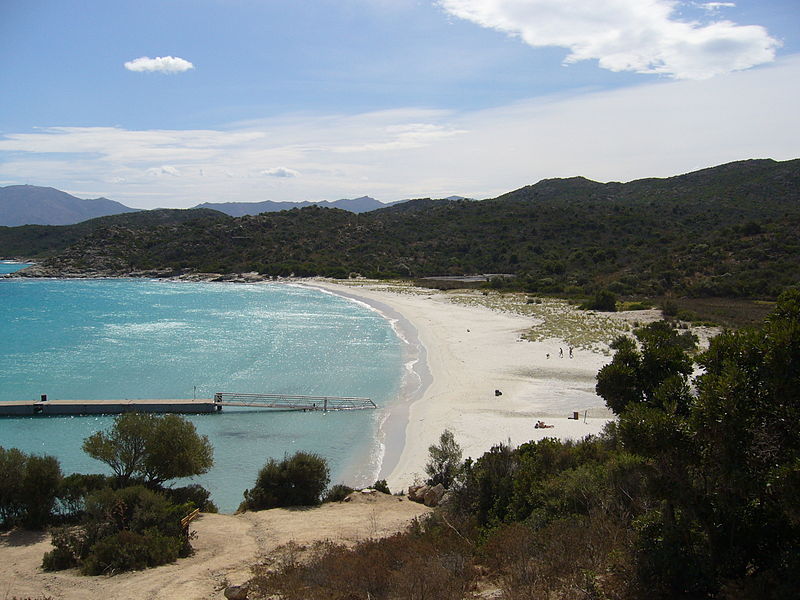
x=289 y=402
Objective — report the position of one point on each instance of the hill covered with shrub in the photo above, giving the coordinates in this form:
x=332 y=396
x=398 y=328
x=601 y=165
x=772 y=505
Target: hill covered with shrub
x=730 y=231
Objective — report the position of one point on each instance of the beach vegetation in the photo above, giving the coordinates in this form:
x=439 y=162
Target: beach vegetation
x=297 y=480
x=444 y=460
x=153 y=448
x=193 y=494
x=75 y=488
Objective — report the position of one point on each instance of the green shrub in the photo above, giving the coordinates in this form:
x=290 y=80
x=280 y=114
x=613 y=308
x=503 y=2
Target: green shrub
x=73 y=491
x=381 y=486
x=669 y=308
x=69 y=546
x=337 y=493
x=130 y=551
x=12 y=474
x=155 y=448
x=131 y=528
x=603 y=300
x=298 y=480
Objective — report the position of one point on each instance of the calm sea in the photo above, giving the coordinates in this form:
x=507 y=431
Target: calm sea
x=116 y=339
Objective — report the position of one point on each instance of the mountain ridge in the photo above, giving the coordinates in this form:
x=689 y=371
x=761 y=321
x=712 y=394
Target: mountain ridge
x=37 y=205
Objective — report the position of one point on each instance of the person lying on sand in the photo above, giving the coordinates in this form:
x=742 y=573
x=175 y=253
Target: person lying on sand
x=542 y=425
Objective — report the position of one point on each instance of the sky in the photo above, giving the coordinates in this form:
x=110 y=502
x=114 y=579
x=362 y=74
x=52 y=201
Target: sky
x=170 y=103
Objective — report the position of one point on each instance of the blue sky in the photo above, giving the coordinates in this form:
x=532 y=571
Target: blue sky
x=177 y=102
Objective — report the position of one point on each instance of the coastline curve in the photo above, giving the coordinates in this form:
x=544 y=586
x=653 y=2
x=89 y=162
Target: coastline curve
x=416 y=379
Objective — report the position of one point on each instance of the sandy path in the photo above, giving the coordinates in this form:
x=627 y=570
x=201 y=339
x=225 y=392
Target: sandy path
x=226 y=546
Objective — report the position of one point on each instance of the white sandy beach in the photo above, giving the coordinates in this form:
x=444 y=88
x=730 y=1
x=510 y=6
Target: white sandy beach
x=471 y=352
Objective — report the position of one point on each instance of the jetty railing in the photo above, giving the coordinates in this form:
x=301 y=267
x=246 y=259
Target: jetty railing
x=292 y=402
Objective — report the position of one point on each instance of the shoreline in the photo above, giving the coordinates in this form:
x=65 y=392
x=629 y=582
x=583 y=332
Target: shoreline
x=470 y=352
x=415 y=380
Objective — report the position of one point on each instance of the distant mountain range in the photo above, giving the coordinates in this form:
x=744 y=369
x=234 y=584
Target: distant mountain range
x=30 y=204
x=35 y=205
x=240 y=209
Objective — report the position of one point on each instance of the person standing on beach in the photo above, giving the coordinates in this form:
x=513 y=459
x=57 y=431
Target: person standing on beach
x=570 y=351
x=560 y=353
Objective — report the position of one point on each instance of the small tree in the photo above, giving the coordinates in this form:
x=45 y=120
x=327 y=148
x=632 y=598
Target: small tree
x=123 y=447
x=298 y=480
x=40 y=488
x=444 y=463
x=156 y=448
x=29 y=485
x=176 y=450
x=12 y=474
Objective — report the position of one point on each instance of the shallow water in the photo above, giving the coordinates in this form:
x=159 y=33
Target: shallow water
x=114 y=339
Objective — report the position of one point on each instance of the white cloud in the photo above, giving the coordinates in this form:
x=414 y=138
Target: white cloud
x=626 y=35
x=159 y=64
x=713 y=7
x=164 y=170
x=654 y=130
x=280 y=172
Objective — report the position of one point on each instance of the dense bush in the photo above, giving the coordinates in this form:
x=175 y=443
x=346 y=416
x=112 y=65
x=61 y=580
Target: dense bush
x=126 y=529
x=603 y=300
x=381 y=486
x=194 y=494
x=298 y=480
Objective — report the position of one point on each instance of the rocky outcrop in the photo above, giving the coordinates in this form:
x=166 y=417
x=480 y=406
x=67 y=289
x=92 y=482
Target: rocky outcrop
x=429 y=495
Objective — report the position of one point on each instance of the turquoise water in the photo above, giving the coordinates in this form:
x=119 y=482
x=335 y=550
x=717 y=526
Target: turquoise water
x=10 y=267
x=115 y=339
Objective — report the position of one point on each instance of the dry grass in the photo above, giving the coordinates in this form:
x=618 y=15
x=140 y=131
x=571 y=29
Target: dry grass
x=407 y=565
x=556 y=319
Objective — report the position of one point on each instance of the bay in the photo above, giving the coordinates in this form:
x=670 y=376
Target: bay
x=117 y=339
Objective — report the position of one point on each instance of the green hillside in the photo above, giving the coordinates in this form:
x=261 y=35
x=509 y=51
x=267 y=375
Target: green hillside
x=41 y=241
x=727 y=231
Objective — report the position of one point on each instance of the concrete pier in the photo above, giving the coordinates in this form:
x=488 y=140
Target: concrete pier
x=105 y=407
